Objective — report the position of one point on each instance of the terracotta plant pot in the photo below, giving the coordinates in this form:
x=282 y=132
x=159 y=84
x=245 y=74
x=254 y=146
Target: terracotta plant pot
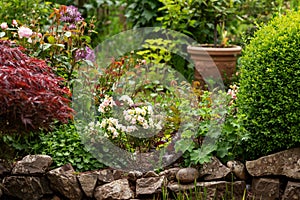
x=206 y=57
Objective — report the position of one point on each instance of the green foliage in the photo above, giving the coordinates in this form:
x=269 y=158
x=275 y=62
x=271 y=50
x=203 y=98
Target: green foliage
x=199 y=19
x=254 y=13
x=210 y=138
x=142 y=13
x=110 y=19
x=23 y=11
x=14 y=147
x=270 y=82
x=206 y=21
x=64 y=145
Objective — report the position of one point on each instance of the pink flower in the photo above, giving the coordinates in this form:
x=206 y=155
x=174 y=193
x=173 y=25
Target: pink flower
x=4 y=25
x=232 y=93
x=14 y=22
x=38 y=34
x=24 y=32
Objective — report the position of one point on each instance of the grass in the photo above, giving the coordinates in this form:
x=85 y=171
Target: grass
x=198 y=193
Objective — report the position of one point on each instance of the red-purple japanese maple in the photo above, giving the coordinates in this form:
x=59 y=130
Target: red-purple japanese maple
x=31 y=95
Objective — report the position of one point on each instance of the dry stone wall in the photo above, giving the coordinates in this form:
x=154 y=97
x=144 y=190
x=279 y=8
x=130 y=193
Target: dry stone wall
x=272 y=177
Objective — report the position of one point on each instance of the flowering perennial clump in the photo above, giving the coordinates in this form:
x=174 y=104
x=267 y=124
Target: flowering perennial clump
x=71 y=15
x=134 y=118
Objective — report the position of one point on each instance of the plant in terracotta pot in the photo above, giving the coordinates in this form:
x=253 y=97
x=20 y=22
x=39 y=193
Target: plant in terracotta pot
x=217 y=14
x=207 y=21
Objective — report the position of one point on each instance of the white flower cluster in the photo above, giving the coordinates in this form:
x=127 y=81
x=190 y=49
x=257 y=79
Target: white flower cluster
x=107 y=103
x=136 y=117
x=112 y=126
x=140 y=115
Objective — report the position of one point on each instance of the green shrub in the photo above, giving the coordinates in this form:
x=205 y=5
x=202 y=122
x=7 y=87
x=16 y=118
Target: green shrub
x=64 y=146
x=24 y=11
x=142 y=13
x=269 y=86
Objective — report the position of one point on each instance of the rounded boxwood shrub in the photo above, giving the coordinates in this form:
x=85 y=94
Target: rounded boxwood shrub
x=269 y=93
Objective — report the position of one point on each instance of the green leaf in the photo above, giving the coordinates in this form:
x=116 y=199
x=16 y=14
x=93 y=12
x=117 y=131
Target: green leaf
x=86 y=38
x=67 y=34
x=51 y=39
x=153 y=94
x=59 y=45
x=184 y=145
x=45 y=46
x=148 y=14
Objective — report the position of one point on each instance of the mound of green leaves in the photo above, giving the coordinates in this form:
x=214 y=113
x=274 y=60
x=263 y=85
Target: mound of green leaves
x=269 y=92
x=64 y=145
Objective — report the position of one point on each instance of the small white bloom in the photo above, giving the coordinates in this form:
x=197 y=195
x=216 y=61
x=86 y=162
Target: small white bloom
x=14 y=22
x=127 y=99
x=145 y=125
x=103 y=123
x=140 y=119
x=158 y=125
x=150 y=110
x=151 y=123
x=133 y=121
x=115 y=134
x=4 y=25
x=131 y=129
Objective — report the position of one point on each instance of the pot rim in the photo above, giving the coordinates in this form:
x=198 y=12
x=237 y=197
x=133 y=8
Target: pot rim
x=201 y=48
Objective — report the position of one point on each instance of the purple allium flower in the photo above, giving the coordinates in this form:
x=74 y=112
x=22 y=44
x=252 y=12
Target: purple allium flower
x=85 y=54
x=72 y=15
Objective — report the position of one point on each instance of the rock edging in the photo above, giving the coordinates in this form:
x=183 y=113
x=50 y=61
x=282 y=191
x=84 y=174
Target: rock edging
x=271 y=177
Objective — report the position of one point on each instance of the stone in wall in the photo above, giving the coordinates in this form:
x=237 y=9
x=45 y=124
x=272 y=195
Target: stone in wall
x=238 y=169
x=33 y=164
x=150 y=174
x=170 y=174
x=118 y=190
x=26 y=187
x=5 y=167
x=151 y=185
x=214 y=170
x=119 y=174
x=292 y=191
x=134 y=175
x=187 y=175
x=105 y=175
x=64 y=181
x=265 y=188
x=88 y=181
x=285 y=163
